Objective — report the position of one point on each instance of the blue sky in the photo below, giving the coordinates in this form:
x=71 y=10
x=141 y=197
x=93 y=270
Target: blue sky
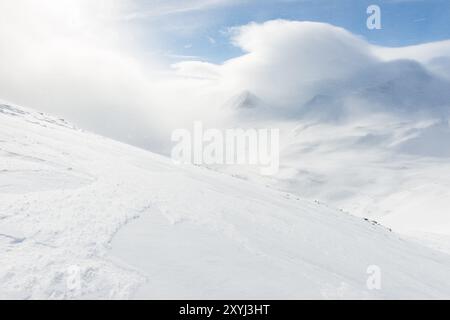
x=201 y=31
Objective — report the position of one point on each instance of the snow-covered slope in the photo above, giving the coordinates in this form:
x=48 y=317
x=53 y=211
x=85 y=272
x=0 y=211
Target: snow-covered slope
x=392 y=169
x=181 y=232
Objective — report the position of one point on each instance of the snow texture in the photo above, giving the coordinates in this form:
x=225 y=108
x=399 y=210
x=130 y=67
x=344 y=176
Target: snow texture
x=68 y=197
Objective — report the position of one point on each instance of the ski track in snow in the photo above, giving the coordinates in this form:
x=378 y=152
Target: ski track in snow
x=65 y=194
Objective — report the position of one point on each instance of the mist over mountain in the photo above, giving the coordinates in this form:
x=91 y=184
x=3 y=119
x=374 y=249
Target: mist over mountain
x=361 y=169
x=132 y=224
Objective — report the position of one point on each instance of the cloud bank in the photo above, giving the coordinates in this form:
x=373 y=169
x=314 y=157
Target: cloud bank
x=303 y=68
x=80 y=60
x=71 y=58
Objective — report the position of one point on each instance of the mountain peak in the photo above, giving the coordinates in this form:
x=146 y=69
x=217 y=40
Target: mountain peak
x=244 y=100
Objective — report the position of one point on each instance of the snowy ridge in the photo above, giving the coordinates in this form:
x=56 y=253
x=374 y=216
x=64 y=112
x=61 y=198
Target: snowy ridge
x=65 y=194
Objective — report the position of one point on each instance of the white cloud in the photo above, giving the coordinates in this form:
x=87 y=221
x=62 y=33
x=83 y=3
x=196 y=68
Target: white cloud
x=79 y=60
x=211 y=40
x=76 y=59
x=423 y=52
x=158 y=8
x=295 y=56
x=293 y=66
x=435 y=55
x=71 y=57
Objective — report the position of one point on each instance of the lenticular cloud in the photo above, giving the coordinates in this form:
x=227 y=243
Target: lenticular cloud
x=316 y=69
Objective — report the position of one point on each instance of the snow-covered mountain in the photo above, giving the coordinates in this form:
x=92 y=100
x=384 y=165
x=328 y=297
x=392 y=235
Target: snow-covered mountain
x=375 y=143
x=244 y=100
x=404 y=88
x=136 y=225
x=390 y=168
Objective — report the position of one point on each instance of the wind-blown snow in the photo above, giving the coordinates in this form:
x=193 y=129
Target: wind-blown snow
x=388 y=168
x=65 y=194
